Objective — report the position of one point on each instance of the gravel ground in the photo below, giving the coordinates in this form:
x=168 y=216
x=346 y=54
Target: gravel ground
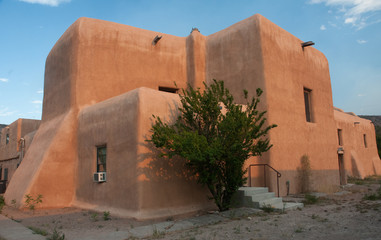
x=343 y=215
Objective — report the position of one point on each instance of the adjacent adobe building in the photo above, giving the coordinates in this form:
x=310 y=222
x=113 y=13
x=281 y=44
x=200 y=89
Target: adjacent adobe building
x=14 y=142
x=104 y=81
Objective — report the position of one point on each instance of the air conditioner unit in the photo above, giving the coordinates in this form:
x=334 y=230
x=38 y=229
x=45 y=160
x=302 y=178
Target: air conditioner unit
x=100 y=177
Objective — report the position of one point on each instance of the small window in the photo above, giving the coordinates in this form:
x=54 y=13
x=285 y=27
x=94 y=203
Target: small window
x=101 y=158
x=340 y=136
x=168 y=89
x=307 y=104
x=1 y=173
x=7 y=139
x=6 y=174
x=365 y=143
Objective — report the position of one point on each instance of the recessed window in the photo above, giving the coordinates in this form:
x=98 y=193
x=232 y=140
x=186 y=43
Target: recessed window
x=307 y=104
x=340 y=136
x=168 y=89
x=5 y=174
x=7 y=139
x=101 y=158
x=365 y=143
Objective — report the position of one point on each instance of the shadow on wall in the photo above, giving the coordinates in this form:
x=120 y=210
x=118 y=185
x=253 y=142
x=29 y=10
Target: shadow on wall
x=355 y=170
x=155 y=167
x=304 y=174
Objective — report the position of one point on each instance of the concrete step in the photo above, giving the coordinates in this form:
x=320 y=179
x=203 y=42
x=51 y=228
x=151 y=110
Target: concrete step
x=262 y=196
x=269 y=202
x=258 y=197
x=250 y=191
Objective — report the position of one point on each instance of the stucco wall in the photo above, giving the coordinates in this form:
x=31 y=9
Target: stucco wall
x=139 y=184
x=288 y=69
x=10 y=154
x=359 y=160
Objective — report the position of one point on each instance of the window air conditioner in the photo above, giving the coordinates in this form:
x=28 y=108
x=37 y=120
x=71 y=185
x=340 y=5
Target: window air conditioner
x=100 y=177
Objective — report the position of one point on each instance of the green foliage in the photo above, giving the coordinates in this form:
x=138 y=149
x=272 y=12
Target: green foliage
x=268 y=208
x=310 y=199
x=31 y=202
x=373 y=196
x=106 y=216
x=215 y=136
x=94 y=217
x=39 y=231
x=2 y=203
x=56 y=235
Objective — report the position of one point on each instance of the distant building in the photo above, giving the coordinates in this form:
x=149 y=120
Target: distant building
x=103 y=82
x=14 y=142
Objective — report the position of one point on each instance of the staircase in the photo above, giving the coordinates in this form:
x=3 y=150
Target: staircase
x=258 y=197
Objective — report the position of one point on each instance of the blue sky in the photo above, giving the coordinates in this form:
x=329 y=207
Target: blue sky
x=348 y=32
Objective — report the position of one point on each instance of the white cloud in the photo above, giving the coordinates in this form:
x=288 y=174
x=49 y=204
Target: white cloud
x=322 y=27
x=360 y=41
x=5 y=112
x=4 y=79
x=40 y=91
x=358 y=13
x=37 y=102
x=52 y=3
x=361 y=95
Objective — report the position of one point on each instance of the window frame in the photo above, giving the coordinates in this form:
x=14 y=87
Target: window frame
x=103 y=156
x=365 y=142
x=340 y=136
x=307 y=96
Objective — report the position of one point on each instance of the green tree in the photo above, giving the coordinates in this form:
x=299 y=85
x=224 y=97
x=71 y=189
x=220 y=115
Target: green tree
x=215 y=136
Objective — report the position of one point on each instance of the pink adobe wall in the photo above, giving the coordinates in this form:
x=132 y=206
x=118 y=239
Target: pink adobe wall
x=139 y=184
x=359 y=160
x=10 y=154
x=288 y=69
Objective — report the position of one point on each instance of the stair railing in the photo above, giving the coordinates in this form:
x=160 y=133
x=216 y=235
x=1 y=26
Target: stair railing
x=278 y=174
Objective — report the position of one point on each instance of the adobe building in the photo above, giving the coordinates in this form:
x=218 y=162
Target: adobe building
x=14 y=142
x=104 y=81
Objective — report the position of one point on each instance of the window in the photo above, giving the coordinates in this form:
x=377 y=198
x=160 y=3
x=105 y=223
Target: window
x=365 y=143
x=101 y=158
x=7 y=139
x=340 y=137
x=5 y=174
x=168 y=89
x=1 y=172
x=307 y=104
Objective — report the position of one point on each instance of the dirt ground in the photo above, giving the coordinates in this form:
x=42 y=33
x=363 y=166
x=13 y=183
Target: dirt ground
x=343 y=215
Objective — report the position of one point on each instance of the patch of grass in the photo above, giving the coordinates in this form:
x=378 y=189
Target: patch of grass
x=157 y=233
x=94 y=217
x=39 y=231
x=2 y=203
x=106 y=216
x=56 y=235
x=374 y=179
x=310 y=199
x=237 y=229
x=268 y=208
x=374 y=196
x=299 y=229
